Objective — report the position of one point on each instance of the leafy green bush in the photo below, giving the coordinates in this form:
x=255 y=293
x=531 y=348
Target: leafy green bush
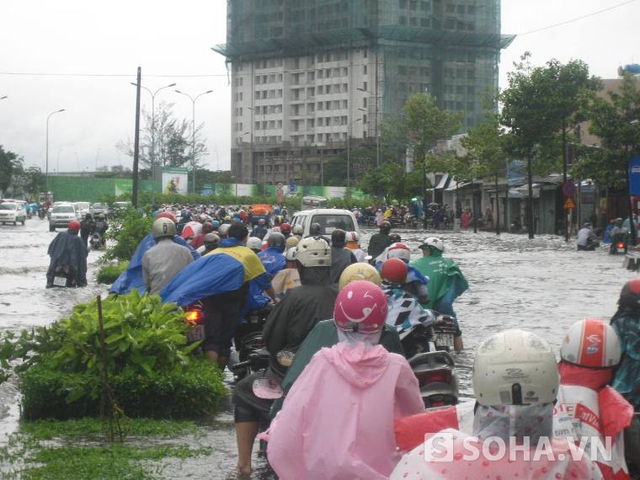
x=109 y=273
x=127 y=229
x=151 y=369
x=194 y=392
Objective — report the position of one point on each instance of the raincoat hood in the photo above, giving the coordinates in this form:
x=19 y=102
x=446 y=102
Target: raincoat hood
x=314 y=275
x=358 y=364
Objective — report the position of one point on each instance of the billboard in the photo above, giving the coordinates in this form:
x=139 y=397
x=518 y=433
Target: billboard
x=175 y=180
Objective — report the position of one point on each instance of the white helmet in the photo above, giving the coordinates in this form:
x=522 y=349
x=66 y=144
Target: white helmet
x=433 y=243
x=352 y=237
x=223 y=230
x=254 y=243
x=291 y=254
x=591 y=343
x=399 y=250
x=163 y=227
x=298 y=229
x=313 y=252
x=515 y=367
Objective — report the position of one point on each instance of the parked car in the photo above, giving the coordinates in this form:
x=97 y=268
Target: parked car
x=328 y=218
x=100 y=209
x=12 y=212
x=83 y=208
x=61 y=215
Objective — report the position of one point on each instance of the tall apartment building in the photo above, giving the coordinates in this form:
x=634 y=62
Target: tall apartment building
x=311 y=78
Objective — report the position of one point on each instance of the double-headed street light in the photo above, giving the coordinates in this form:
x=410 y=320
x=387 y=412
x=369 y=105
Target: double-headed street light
x=46 y=153
x=193 y=132
x=349 y=150
x=153 y=133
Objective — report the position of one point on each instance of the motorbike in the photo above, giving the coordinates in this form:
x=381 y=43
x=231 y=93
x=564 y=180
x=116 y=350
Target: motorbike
x=65 y=276
x=250 y=355
x=97 y=242
x=427 y=350
x=619 y=244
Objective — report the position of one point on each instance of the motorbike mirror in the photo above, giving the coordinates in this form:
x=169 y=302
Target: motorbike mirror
x=285 y=358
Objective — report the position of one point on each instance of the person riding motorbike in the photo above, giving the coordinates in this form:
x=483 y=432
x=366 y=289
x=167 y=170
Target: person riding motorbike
x=211 y=241
x=132 y=277
x=87 y=227
x=286 y=328
x=353 y=244
x=162 y=262
x=415 y=282
x=356 y=385
x=587 y=240
x=287 y=278
x=589 y=356
x=255 y=244
x=515 y=381
x=341 y=257
x=273 y=258
x=380 y=241
x=260 y=230
x=618 y=234
x=626 y=323
x=198 y=240
x=446 y=281
x=68 y=250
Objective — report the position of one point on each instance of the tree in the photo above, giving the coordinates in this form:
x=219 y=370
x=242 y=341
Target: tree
x=33 y=181
x=391 y=182
x=539 y=106
x=427 y=125
x=10 y=163
x=173 y=141
x=615 y=122
x=361 y=160
x=485 y=154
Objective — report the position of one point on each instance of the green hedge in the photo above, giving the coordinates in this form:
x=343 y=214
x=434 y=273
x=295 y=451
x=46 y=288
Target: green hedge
x=195 y=392
x=109 y=273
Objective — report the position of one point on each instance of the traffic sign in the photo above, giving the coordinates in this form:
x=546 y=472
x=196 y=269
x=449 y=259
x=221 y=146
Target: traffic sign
x=569 y=189
x=569 y=205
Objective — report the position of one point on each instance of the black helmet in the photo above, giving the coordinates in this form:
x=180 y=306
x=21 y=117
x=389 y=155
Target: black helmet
x=338 y=238
x=385 y=227
x=630 y=295
x=315 y=229
x=276 y=240
x=395 y=238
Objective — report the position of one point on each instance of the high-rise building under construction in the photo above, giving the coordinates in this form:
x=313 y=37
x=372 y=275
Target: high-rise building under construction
x=311 y=78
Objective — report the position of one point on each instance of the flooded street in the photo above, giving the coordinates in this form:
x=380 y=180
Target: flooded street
x=543 y=285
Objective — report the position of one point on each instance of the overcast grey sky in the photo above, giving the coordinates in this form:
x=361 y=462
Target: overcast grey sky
x=82 y=55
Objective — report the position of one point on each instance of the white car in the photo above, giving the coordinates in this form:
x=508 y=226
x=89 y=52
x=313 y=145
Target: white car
x=12 y=212
x=328 y=218
x=61 y=215
x=83 y=208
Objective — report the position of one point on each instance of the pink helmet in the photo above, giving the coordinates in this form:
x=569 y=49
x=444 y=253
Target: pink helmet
x=361 y=307
x=399 y=250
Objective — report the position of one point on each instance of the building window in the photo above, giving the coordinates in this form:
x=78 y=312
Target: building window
x=364 y=85
x=364 y=69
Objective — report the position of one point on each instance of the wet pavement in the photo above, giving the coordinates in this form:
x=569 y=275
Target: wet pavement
x=542 y=284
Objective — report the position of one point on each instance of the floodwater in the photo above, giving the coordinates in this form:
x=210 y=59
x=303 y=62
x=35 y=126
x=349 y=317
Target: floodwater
x=542 y=284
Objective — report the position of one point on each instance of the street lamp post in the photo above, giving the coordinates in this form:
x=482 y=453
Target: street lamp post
x=376 y=125
x=193 y=132
x=46 y=153
x=349 y=151
x=153 y=134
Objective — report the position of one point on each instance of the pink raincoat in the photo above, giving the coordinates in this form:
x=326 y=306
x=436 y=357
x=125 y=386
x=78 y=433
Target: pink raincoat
x=337 y=420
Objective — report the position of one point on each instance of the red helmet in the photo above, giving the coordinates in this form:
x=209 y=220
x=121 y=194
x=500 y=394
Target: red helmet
x=361 y=307
x=74 y=226
x=168 y=215
x=394 y=270
x=285 y=227
x=399 y=250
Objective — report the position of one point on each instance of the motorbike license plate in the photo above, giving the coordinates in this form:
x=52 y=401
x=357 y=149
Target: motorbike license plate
x=196 y=333
x=620 y=250
x=60 y=281
x=444 y=340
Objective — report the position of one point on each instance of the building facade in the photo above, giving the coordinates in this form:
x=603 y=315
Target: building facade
x=313 y=78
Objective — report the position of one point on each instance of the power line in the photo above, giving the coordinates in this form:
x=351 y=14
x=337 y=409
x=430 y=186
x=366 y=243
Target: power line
x=577 y=19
